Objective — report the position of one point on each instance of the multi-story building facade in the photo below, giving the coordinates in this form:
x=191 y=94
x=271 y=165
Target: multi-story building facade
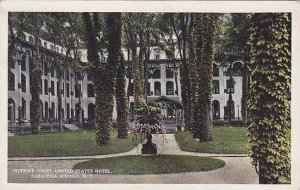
x=163 y=85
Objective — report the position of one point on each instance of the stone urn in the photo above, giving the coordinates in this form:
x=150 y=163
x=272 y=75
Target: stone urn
x=149 y=147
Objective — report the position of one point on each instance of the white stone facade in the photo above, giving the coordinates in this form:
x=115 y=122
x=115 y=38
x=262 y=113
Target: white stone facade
x=21 y=97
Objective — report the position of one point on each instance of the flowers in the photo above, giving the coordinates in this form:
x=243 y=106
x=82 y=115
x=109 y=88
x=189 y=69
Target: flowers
x=149 y=129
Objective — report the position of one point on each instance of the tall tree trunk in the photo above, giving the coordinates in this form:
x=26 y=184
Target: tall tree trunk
x=203 y=36
x=121 y=100
x=35 y=78
x=104 y=75
x=270 y=60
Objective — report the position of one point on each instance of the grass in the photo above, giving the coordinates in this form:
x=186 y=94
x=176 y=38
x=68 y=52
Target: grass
x=226 y=140
x=69 y=143
x=158 y=164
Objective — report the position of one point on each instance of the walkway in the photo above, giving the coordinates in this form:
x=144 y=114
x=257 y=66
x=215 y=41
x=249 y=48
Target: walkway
x=237 y=169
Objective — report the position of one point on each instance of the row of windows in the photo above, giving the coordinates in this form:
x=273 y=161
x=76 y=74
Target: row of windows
x=45 y=45
x=49 y=111
x=157 y=89
x=90 y=89
x=156 y=74
x=229 y=86
x=11 y=86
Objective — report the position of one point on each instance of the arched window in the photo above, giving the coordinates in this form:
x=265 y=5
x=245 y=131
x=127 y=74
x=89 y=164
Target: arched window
x=57 y=88
x=23 y=63
x=169 y=73
x=23 y=82
x=52 y=47
x=156 y=74
x=68 y=111
x=216 y=87
x=31 y=39
x=23 y=113
x=46 y=111
x=45 y=45
x=52 y=88
x=11 y=81
x=45 y=86
x=11 y=110
x=216 y=109
x=170 y=88
x=52 y=110
x=61 y=51
x=57 y=49
x=91 y=111
x=157 y=89
x=68 y=90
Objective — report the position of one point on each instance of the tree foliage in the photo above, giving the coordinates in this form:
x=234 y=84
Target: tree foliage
x=268 y=106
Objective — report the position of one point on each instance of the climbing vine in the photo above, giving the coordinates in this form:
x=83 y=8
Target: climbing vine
x=268 y=124
x=121 y=100
x=35 y=114
x=204 y=25
x=104 y=73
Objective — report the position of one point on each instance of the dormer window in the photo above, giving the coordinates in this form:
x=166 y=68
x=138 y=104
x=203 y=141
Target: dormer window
x=156 y=53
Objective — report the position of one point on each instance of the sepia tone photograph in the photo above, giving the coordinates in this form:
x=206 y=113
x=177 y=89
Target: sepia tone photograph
x=149 y=97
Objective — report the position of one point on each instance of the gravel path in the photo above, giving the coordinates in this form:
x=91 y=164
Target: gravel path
x=237 y=169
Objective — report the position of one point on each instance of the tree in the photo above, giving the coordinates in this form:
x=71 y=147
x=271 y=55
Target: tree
x=204 y=25
x=134 y=27
x=270 y=61
x=121 y=100
x=32 y=22
x=66 y=29
x=104 y=73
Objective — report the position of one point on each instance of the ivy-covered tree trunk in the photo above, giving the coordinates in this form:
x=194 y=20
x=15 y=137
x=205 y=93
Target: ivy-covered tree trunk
x=35 y=105
x=268 y=96
x=203 y=37
x=35 y=78
x=121 y=100
x=244 y=110
x=104 y=73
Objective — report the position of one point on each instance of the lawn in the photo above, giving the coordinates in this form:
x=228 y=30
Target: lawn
x=158 y=164
x=69 y=143
x=226 y=140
